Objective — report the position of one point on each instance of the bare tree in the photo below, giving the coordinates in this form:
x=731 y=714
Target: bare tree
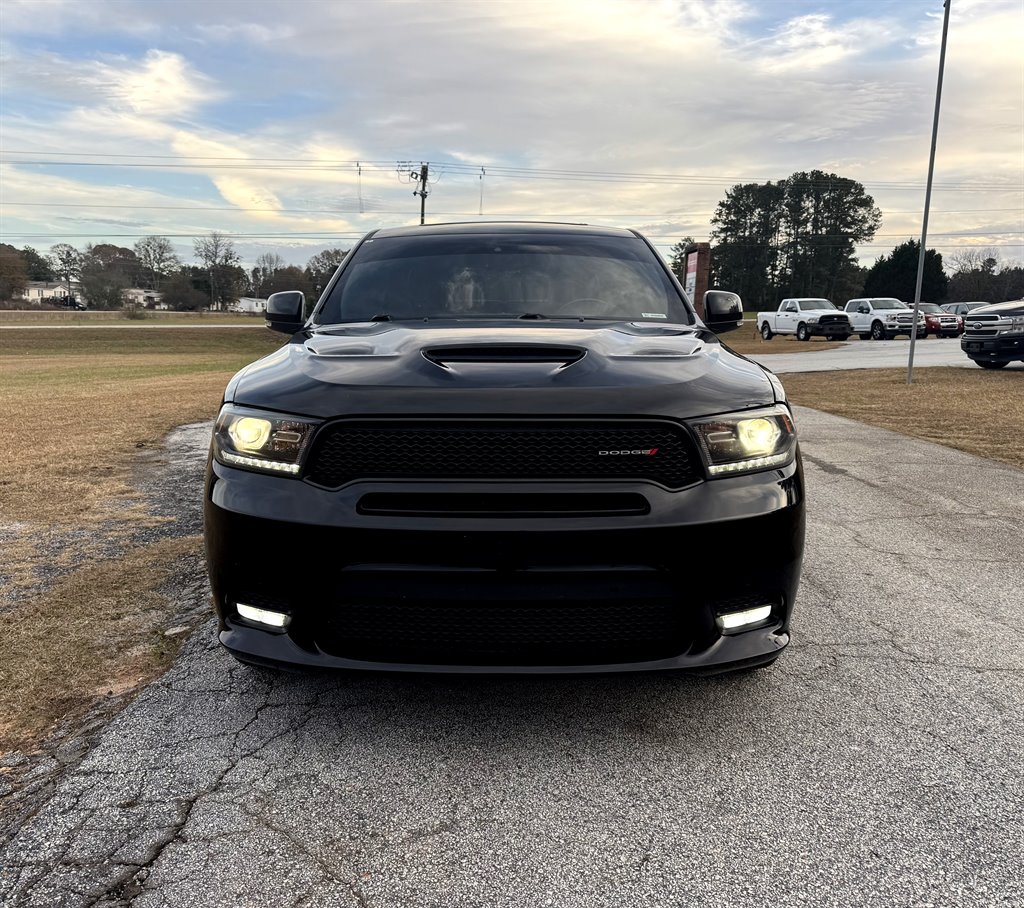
x=267 y=265
x=66 y=262
x=219 y=259
x=157 y=258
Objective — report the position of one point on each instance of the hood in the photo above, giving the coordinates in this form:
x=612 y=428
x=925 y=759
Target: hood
x=624 y=369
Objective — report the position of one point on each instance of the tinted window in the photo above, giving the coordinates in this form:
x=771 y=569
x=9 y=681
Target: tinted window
x=504 y=276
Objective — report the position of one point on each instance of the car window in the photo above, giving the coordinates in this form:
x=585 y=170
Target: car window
x=887 y=304
x=789 y=307
x=851 y=306
x=808 y=305
x=504 y=276
x=930 y=308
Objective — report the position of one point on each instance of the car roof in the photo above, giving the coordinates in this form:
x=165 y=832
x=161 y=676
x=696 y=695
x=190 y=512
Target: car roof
x=484 y=228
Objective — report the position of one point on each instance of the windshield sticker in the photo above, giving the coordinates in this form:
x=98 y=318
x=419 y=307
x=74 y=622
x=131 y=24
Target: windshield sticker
x=653 y=315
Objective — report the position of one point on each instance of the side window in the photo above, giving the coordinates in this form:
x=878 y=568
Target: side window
x=851 y=306
x=789 y=307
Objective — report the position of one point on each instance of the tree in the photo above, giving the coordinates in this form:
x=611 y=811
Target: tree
x=66 y=262
x=267 y=265
x=291 y=277
x=217 y=254
x=678 y=259
x=895 y=274
x=13 y=272
x=107 y=271
x=794 y=237
x=38 y=266
x=180 y=290
x=979 y=275
x=321 y=267
x=156 y=259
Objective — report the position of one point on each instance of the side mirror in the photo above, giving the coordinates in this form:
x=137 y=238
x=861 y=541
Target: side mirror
x=723 y=311
x=284 y=311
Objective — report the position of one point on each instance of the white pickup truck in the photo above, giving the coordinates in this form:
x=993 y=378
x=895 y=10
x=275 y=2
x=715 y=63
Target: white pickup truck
x=805 y=317
x=883 y=317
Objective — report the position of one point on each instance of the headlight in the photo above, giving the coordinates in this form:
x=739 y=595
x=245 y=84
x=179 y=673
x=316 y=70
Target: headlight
x=890 y=318
x=813 y=319
x=268 y=442
x=747 y=442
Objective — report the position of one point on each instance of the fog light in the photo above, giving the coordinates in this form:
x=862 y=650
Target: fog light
x=736 y=621
x=262 y=615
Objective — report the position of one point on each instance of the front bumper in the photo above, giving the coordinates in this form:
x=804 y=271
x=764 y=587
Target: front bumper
x=1000 y=348
x=817 y=330
x=478 y=594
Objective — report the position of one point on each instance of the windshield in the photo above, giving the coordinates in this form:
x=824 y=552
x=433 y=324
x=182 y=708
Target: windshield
x=888 y=304
x=807 y=305
x=930 y=308
x=522 y=275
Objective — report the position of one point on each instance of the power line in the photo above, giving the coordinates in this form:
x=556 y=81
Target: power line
x=463 y=168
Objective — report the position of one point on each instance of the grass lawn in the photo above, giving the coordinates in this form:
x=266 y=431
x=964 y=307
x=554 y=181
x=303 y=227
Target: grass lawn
x=83 y=403
x=13 y=317
x=973 y=410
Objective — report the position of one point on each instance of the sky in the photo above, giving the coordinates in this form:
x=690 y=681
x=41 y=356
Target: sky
x=293 y=126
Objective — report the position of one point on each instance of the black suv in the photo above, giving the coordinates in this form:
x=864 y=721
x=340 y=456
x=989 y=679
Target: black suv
x=994 y=335
x=504 y=447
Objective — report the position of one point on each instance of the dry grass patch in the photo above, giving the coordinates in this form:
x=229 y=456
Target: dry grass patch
x=97 y=632
x=84 y=405
x=972 y=410
x=83 y=613
x=748 y=341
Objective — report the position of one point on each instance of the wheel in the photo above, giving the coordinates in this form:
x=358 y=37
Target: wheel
x=801 y=332
x=922 y=335
x=878 y=332
x=766 y=331
x=864 y=337
x=991 y=363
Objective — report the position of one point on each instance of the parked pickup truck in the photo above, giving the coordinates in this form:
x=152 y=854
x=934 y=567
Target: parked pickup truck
x=994 y=335
x=883 y=317
x=805 y=318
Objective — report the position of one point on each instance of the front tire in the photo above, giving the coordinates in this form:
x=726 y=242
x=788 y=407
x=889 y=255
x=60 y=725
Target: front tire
x=766 y=331
x=992 y=363
x=878 y=331
x=801 y=332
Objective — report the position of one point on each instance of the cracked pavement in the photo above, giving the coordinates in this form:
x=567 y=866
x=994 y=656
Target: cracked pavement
x=877 y=763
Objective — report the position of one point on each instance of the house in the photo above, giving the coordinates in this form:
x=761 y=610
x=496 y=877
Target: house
x=250 y=304
x=51 y=292
x=145 y=299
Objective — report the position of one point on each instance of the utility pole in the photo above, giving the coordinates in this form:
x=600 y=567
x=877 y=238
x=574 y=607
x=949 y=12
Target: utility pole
x=422 y=192
x=928 y=195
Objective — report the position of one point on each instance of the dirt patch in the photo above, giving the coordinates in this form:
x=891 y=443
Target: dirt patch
x=748 y=340
x=976 y=411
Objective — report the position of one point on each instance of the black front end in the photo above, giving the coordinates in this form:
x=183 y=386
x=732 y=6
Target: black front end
x=504 y=545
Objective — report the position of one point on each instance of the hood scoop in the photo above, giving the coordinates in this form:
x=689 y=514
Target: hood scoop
x=504 y=353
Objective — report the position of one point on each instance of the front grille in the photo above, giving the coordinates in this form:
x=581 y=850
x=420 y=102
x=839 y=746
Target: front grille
x=535 y=633
x=829 y=319
x=344 y=452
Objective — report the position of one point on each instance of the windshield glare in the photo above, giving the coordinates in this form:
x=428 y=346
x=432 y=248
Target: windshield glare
x=930 y=308
x=888 y=304
x=807 y=305
x=480 y=276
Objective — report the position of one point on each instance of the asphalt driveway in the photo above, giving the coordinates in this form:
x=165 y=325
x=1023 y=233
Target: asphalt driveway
x=936 y=351
x=877 y=763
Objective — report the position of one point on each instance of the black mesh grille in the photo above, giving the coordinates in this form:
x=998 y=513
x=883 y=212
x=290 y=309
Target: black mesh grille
x=539 y=633
x=344 y=452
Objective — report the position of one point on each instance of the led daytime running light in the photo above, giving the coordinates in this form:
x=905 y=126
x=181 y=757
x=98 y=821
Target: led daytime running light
x=271 y=466
x=756 y=463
